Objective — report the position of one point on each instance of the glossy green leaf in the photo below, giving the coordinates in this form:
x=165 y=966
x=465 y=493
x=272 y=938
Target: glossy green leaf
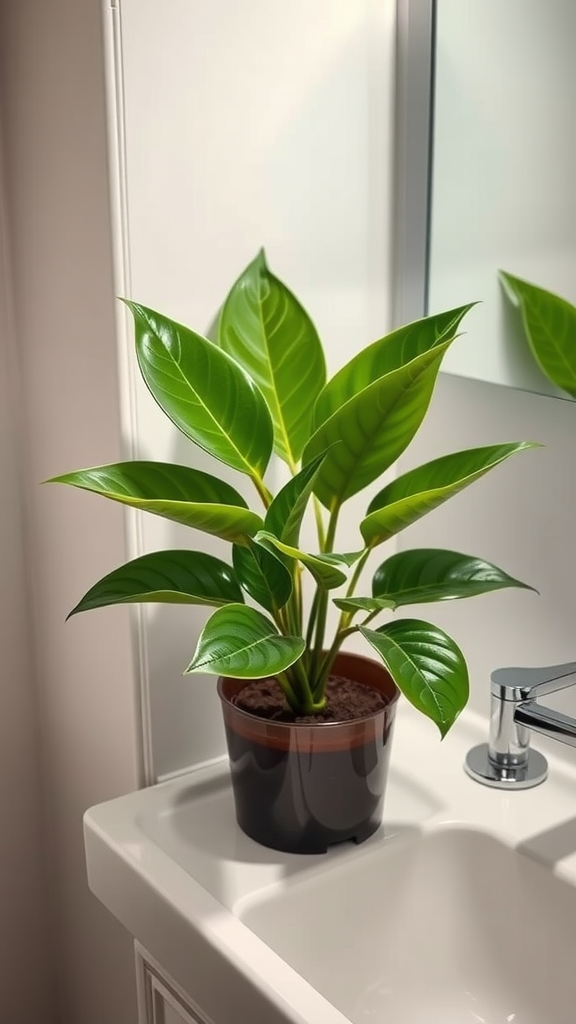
x=241 y=642
x=262 y=575
x=267 y=331
x=324 y=568
x=347 y=558
x=433 y=574
x=363 y=604
x=371 y=430
x=426 y=665
x=179 y=493
x=550 y=326
x=385 y=355
x=285 y=514
x=167 y=577
x=414 y=494
x=204 y=392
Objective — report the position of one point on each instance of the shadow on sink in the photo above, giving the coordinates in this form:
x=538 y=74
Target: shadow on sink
x=553 y=844
x=199 y=831
x=450 y=926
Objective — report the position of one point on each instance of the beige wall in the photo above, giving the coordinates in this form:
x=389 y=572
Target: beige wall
x=23 y=904
x=51 y=91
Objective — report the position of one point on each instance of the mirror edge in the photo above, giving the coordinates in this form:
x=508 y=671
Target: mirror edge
x=415 y=33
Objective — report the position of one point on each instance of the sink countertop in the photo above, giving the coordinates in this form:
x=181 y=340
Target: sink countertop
x=171 y=864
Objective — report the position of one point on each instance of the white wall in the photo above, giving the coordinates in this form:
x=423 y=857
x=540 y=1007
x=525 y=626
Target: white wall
x=263 y=124
x=51 y=87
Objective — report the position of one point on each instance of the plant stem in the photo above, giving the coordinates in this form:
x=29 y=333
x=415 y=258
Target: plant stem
x=297 y=597
x=321 y=676
x=371 y=616
x=305 y=693
x=312 y=618
x=263 y=491
x=281 y=620
x=328 y=662
x=288 y=691
x=322 y=605
x=319 y=523
x=357 y=571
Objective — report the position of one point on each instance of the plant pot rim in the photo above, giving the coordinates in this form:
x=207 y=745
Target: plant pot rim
x=287 y=726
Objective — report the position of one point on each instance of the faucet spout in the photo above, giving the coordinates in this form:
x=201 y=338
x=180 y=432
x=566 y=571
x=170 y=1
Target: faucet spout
x=547 y=722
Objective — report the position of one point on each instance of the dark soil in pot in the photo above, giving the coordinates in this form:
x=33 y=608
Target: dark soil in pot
x=347 y=700
x=303 y=785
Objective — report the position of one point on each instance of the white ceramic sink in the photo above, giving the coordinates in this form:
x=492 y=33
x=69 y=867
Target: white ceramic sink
x=461 y=910
x=450 y=928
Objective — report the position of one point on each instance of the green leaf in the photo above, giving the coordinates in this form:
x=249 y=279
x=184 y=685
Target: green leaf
x=426 y=665
x=285 y=514
x=324 y=568
x=347 y=558
x=267 y=331
x=363 y=604
x=262 y=575
x=241 y=642
x=168 y=577
x=550 y=326
x=178 y=493
x=433 y=574
x=382 y=357
x=204 y=392
x=373 y=428
x=412 y=495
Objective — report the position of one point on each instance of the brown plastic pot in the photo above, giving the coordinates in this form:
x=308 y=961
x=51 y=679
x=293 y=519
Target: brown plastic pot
x=302 y=787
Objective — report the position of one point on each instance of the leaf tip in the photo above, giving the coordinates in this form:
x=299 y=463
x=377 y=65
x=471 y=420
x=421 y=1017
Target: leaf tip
x=509 y=285
x=194 y=666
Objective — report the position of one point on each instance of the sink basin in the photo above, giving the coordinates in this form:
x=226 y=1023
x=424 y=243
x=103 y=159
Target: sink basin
x=461 y=909
x=451 y=927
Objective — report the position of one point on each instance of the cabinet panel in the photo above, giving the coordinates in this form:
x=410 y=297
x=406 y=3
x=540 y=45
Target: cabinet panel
x=160 y=1000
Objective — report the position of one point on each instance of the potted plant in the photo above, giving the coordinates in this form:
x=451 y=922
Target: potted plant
x=308 y=725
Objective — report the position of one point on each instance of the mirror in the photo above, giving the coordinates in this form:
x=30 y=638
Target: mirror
x=487 y=154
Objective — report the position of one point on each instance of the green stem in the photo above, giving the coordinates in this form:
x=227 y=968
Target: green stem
x=305 y=698
x=281 y=620
x=342 y=631
x=297 y=598
x=319 y=523
x=371 y=616
x=322 y=606
x=263 y=491
x=357 y=571
x=312 y=618
x=327 y=663
x=346 y=617
x=288 y=691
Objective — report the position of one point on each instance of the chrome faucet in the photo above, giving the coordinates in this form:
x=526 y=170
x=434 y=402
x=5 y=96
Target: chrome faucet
x=507 y=761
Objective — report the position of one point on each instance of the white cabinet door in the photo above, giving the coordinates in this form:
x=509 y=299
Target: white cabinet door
x=160 y=1000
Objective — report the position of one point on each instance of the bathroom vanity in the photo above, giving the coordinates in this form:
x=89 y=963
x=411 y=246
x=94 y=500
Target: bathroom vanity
x=464 y=902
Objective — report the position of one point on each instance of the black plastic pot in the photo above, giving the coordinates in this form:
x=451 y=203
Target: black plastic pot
x=302 y=787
